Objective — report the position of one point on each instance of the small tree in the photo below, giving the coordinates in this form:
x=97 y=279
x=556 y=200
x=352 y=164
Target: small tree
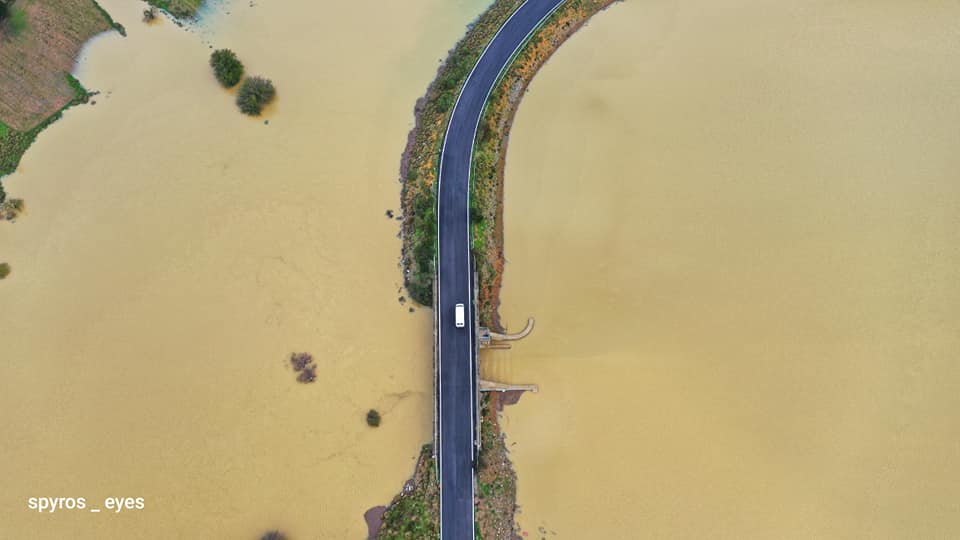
x=4 y=270
x=373 y=418
x=227 y=68
x=255 y=93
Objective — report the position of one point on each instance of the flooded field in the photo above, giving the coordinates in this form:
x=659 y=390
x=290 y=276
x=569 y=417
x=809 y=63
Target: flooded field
x=174 y=253
x=738 y=225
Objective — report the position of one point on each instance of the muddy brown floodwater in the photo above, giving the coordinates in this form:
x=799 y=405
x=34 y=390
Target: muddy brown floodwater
x=174 y=253
x=738 y=225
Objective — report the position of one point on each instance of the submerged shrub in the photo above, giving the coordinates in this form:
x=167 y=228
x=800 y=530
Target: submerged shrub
x=150 y=14
x=10 y=209
x=273 y=535
x=303 y=364
x=373 y=418
x=308 y=375
x=227 y=68
x=301 y=360
x=255 y=93
x=4 y=270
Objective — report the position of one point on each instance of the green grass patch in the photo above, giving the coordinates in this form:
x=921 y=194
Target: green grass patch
x=180 y=9
x=17 y=21
x=80 y=94
x=116 y=26
x=415 y=514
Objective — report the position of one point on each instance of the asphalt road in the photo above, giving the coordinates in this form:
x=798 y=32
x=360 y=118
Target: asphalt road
x=457 y=371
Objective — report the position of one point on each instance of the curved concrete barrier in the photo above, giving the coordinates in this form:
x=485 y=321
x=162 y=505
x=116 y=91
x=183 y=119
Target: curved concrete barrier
x=514 y=337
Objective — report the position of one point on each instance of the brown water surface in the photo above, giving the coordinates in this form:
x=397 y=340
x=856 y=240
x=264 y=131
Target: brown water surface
x=738 y=225
x=174 y=253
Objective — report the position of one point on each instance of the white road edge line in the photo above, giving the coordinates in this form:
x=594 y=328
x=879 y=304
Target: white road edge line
x=443 y=151
x=473 y=144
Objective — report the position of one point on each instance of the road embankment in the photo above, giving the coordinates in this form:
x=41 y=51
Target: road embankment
x=419 y=165
x=493 y=136
x=496 y=497
x=420 y=159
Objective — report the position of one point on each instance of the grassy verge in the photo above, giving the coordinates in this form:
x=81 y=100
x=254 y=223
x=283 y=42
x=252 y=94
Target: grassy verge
x=490 y=152
x=496 y=480
x=180 y=9
x=116 y=26
x=418 y=168
x=415 y=513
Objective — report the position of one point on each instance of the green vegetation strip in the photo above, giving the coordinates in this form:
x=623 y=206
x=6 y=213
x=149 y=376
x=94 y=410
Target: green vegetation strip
x=14 y=143
x=496 y=479
x=490 y=150
x=180 y=9
x=116 y=26
x=422 y=155
x=415 y=513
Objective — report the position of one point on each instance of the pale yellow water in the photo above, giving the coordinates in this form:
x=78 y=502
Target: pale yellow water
x=738 y=225
x=175 y=252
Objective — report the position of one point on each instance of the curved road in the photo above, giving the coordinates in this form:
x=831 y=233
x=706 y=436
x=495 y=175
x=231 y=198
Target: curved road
x=457 y=370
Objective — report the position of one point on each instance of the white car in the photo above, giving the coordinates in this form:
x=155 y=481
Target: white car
x=458 y=315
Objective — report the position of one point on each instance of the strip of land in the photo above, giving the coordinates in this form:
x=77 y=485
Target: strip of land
x=415 y=512
x=496 y=499
x=180 y=9
x=490 y=152
x=37 y=54
x=420 y=161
